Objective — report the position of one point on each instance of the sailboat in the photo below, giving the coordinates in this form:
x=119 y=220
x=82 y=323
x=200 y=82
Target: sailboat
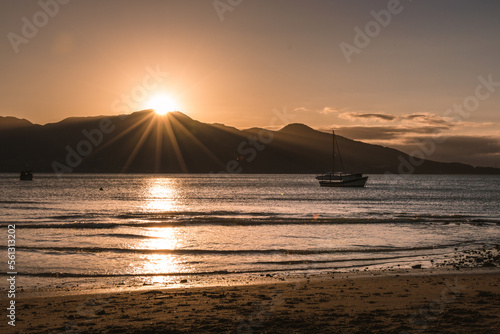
x=26 y=175
x=340 y=179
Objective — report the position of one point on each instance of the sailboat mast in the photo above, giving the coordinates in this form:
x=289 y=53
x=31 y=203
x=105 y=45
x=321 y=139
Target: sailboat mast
x=333 y=152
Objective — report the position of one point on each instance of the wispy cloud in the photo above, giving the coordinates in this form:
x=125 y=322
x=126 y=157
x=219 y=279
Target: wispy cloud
x=386 y=132
x=352 y=116
x=420 y=118
x=479 y=151
x=408 y=132
x=426 y=118
x=477 y=125
x=323 y=111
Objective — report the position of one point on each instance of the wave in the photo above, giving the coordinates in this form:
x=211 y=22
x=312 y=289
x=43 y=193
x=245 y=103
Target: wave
x=21 y=202
x=170 y=214
x=196 y=273
x=162 y=221
x=126 y=236
x=309 y=262
x=77 y=216
x=354 y=263
x=63 y=275
x=280 y=251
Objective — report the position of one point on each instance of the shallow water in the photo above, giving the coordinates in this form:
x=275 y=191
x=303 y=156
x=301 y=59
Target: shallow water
x=159 y=228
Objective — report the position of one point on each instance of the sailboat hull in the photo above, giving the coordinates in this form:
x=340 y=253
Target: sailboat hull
x=352 y=182
x=337 y=176
x=26 y=175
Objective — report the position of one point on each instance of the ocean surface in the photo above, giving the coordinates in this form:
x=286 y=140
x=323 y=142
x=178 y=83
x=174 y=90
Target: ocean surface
x=164 y=229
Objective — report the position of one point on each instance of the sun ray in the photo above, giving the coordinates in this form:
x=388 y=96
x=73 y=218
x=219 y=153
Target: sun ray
x=175 y=146
x=159 y=142
x=138 y=145
x=196 y=141
x=121 y=134
x=165 y=131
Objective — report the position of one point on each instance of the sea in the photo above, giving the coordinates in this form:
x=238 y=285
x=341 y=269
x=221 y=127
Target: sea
x=107 y=230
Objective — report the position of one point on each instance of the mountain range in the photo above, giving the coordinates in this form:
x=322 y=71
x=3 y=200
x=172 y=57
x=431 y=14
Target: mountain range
x=144 y=142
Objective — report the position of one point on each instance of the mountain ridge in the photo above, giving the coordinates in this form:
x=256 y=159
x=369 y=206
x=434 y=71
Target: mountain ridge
x=143 y=142
x=11 y=122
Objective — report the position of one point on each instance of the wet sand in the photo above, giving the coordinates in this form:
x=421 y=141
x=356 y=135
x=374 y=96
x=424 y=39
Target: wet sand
x=411 y=301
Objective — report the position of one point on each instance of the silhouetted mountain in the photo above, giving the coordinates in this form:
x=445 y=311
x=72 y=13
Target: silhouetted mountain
x=297 y=129
x=9 y=122
x=143 y=142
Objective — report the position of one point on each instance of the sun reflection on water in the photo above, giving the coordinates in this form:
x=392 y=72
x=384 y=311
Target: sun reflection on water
x=162 y=239
x=161 y=195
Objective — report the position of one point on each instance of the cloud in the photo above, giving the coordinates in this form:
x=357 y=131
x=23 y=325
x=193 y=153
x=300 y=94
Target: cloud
x=477 y=151
x=462 y=145
x=330 y=110
x=469 y=125
x=386 y=132
x=324 y=111
x=352 y=116
x=420 y=119
x=426 y=118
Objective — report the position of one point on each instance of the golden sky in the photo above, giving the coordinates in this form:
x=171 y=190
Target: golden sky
x=388 y=72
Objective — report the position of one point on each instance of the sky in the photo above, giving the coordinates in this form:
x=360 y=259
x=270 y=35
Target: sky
x=394 y=73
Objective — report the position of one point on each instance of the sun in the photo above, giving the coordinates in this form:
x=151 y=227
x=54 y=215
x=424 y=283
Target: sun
x=162 y=104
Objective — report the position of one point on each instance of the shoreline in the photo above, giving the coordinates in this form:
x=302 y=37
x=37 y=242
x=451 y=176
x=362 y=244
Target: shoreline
x=398 y=301
x=244 y=279
x=52 y=173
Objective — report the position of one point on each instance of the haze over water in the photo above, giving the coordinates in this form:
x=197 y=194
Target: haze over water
x=160 y=229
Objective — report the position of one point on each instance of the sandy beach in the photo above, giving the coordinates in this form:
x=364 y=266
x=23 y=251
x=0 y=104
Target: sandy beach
x=408 y=301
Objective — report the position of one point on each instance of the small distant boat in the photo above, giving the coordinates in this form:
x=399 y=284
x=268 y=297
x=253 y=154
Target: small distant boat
x=26 y=175
x=341 y=179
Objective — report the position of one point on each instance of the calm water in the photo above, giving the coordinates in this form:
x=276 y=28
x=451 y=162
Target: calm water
x=159 y=229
